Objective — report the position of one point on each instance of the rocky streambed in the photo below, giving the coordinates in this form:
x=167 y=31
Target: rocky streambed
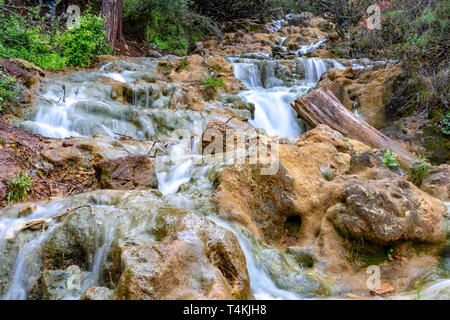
x=141 y=206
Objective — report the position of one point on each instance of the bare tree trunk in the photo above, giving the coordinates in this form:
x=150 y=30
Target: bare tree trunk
x=112 y=10
x=322 y=107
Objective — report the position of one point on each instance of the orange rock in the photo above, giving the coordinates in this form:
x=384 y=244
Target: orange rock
x=385 y=288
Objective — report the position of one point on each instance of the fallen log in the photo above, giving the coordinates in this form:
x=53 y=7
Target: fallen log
x=322 y=107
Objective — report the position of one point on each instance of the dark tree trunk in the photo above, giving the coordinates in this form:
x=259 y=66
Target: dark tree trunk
x=112 y=11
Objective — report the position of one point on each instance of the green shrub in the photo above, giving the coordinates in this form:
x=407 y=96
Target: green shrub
x=390 y=160
x=169 y=24
x=8 y=89
x=83 y=44
x=445 y=127
x=19 y=188
x=215 y=81
x=418 y=171
x=30 y=36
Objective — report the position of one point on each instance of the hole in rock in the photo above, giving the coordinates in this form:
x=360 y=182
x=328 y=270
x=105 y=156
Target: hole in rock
x=293 y=225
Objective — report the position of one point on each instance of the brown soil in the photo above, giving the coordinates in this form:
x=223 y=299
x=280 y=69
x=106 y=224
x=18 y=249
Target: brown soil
x=131 y=49
x=18 y=152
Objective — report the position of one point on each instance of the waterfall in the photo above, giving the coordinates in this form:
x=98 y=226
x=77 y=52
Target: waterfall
x=262 y=285
x=315 y=68
x=304 y=49
x=273 y=112
x=271 y=97
x=270 y=86
x=248 y=73
x=21 y=280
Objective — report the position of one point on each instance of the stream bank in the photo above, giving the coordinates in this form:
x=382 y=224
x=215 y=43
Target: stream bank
x=138 y=125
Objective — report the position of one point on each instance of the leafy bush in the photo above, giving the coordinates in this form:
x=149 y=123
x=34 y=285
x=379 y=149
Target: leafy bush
x=30 y=36
x=20 y=187
x=8 y=89
x=169 y=24
x=83 y=44
x=390 y=160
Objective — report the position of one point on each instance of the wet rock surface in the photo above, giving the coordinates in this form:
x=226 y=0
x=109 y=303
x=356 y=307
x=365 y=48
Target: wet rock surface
x=172 y=222
x=367 y=91
x=300 y=207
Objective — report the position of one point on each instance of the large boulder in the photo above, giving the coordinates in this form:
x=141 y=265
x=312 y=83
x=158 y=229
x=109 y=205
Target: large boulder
x=387 y=211
x=302 y=19
x=130 y=245
x=133 y=171
x=336 y=197
x=192 y=259
x=368 y=91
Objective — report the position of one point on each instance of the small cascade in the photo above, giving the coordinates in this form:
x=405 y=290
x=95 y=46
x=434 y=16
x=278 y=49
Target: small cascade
x=22 y=282
x=170 y=180
x=249 y=74
x=87 y=108
x=273 y=112
x=261 y=283
x=271 y=88
x=314 y=69
x=24 y=271
x=304 y=49
x=275 y=25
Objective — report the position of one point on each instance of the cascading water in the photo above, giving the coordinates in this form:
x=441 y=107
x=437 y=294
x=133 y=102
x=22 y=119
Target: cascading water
x=85 y=108
x=271 y=91
x=315 y=68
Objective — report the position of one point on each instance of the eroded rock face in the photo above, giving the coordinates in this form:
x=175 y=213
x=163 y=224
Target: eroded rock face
x=388 y=211
x=219 y=136
x=137 y=247
x=134 y=171
x=196 y=69
x=303 y=19
x=100 y=164
x=367 y=91
x=304 y=206
x=437 y=183
x=203 y=264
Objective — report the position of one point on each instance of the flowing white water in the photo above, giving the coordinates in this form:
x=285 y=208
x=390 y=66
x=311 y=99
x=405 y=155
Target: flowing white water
x=262 y=285
x=21 y=284
x=315 y=68
x=304 y=49
x=22 y=278
x=273 y=111
x=271 y=92
x=272 y=99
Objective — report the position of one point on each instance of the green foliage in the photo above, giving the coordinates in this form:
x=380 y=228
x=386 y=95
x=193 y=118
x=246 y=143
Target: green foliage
x=390 y=160
x=8 y=89
x=168 y=24
x=215 y=81
x=19 y=188
x=83 y=44
x=31 y=37
x=390 y=253
x=418 y=171
x=183 y=64
x=445 y=128
x=418 y=291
